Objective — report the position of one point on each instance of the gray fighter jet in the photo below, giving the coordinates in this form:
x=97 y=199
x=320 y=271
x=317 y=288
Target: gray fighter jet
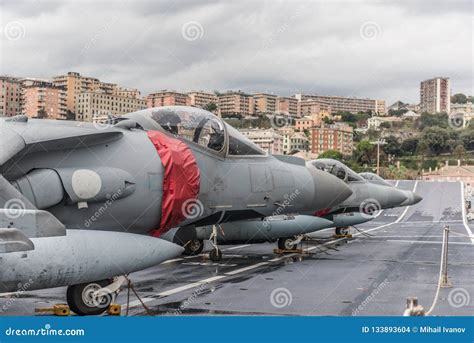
x=82 y=204
x=370 y=194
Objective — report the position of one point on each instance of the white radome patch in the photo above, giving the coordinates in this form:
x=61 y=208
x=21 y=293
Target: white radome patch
x=86 y=183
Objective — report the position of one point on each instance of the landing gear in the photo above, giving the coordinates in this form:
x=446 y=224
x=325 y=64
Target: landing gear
x=84 y=301
x=343 y=231
x=287 y=244
x=215 y=254
x=193 y=247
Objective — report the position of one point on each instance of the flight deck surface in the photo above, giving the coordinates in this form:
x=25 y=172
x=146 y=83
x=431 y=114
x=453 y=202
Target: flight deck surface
x=370 y=274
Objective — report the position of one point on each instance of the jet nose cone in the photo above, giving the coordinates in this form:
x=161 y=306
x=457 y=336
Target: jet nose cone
x=329 y=190
x=397 y=197
x=417 y=198
x=412 y=199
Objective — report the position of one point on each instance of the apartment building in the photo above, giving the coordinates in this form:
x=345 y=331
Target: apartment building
x=435 y=95
x=202 y=99
x=239 y=103
x=40 y=98
x=98 y=104
x=287 y=105
x=265 y=103
x=167 y=98
x=127 y=92
x=75 y=84
x=347 y=104
x=332 y=137
x=10 y=100
x=294 y=141
x=268 y=140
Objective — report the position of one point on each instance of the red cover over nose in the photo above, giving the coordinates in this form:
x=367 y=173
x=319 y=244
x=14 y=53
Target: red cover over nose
x=181 y=180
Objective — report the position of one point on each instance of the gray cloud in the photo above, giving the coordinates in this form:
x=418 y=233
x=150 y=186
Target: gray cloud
x=375 y=49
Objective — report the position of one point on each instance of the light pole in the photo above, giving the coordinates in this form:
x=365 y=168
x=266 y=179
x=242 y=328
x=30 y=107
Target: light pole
x=379 y=142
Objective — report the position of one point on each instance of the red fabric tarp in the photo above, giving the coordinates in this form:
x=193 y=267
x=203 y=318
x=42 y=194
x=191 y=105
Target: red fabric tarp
x=181 y=180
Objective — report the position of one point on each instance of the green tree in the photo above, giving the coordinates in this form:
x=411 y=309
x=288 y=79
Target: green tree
x=328 y=120
x=459 y=98
x=392 y=146
x=467 y=139
x=409 y=146
x=211 y=107
x=459 y=152
x=365 y=152
x=386 y=125
x=438 y=139
x=334 y=154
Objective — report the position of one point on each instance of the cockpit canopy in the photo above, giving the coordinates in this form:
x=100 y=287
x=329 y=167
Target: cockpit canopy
x=200 y=127
x=375 y=178
x=337 y=168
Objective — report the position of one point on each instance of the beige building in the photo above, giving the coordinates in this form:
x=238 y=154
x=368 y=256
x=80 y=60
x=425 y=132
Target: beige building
x=287 y=105
x=201 y=99
x=346 y=104
x=309 y=121
x=75 y=84
x=167 y=98
x=10 y=100
x=268 y=140
x=332 y=137
x=236 y=103
x=99 y=104
x=310 y=107
x=295 y=141
x=43 y=99
x=127 y=92
x=435 y=95
x=265 y=103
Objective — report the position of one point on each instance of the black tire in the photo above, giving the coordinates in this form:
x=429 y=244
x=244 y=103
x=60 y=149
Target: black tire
x=194 y=247
x=342 y=231
x=285 y=244
x=215 y=255
x=75 y=298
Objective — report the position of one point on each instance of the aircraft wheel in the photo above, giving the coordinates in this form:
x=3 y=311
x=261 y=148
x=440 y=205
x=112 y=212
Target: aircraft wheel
x=342 y=231
x=286 y=244
x=215 y=255
x=193 y=247
x=82 y=302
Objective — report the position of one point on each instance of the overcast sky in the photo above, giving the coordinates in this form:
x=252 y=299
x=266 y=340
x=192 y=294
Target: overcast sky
x=376 y=49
